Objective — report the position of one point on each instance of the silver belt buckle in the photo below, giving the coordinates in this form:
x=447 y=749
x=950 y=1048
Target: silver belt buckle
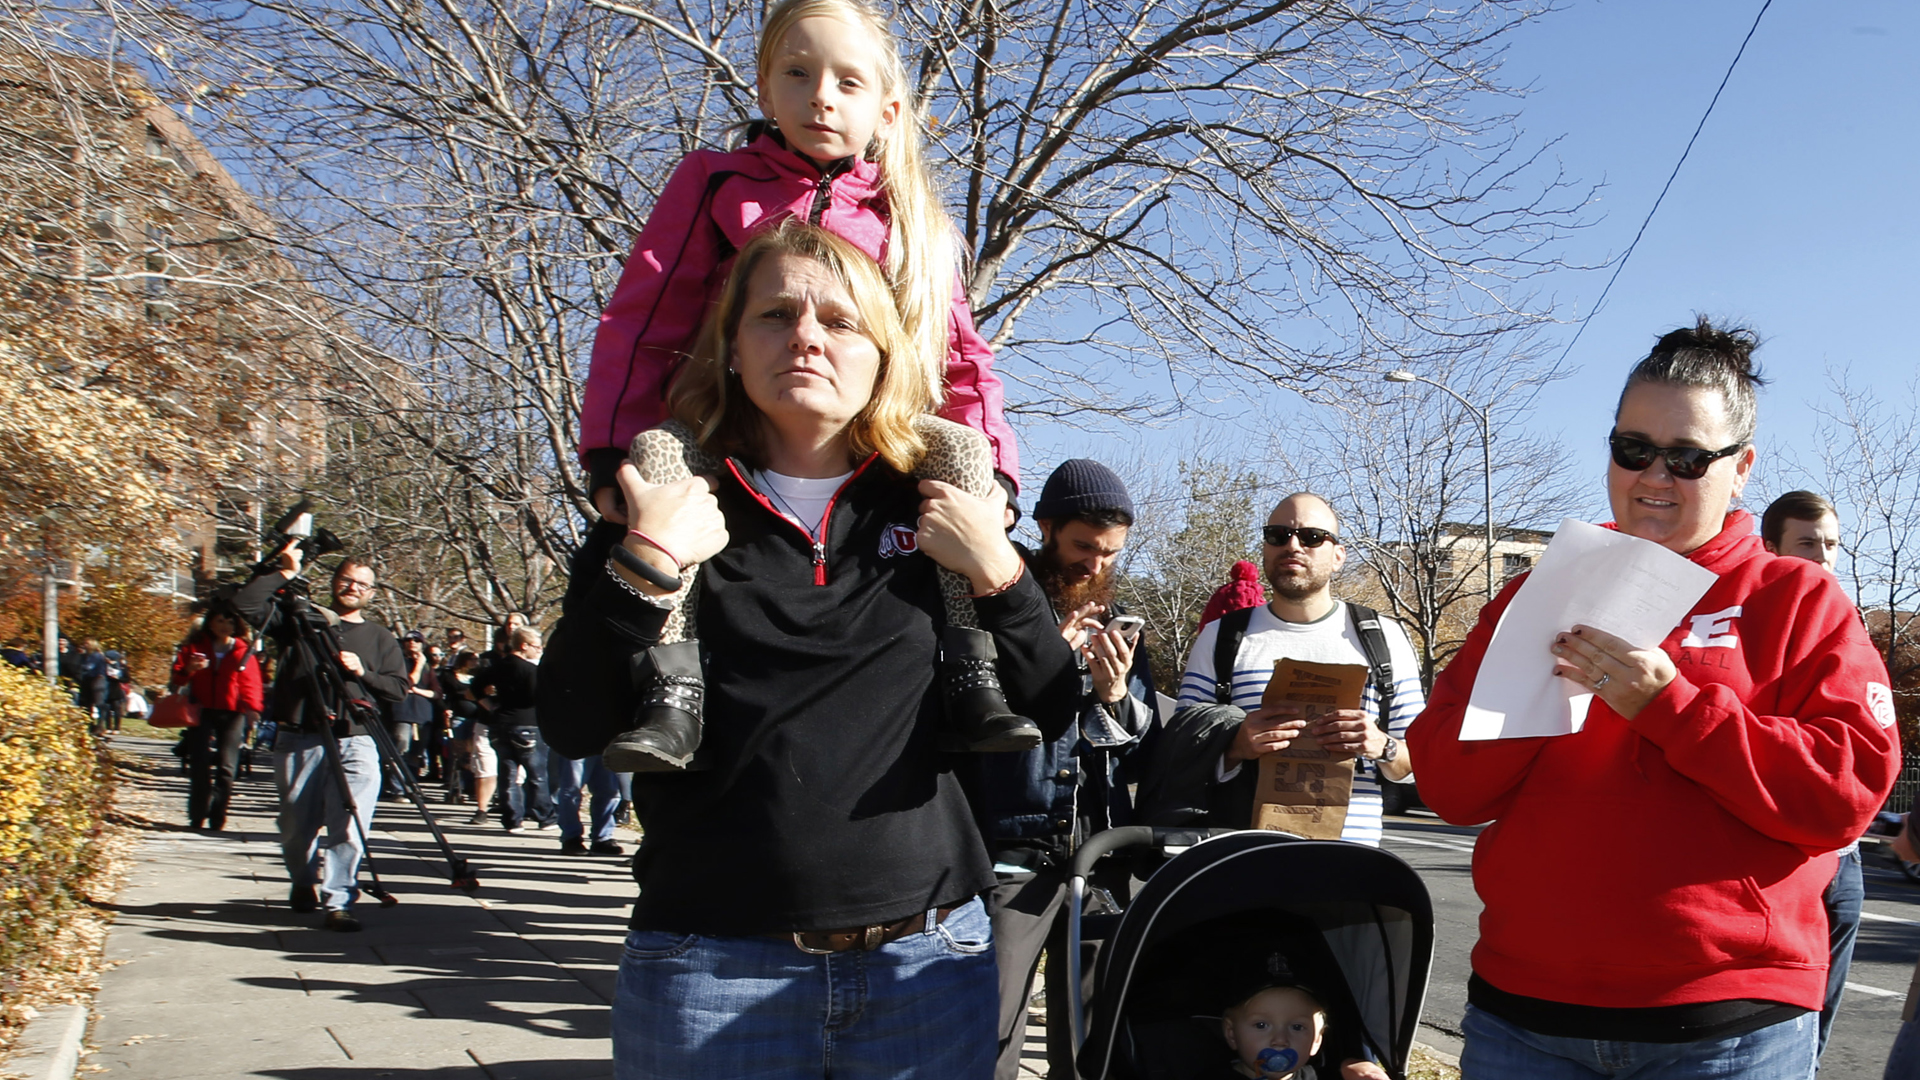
x=801 y=944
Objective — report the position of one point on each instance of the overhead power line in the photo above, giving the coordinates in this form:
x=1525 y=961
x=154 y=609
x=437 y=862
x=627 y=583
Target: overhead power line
x=1628 y=254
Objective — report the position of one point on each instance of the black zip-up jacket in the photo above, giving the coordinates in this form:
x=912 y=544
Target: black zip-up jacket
x=379 y=651
x=828 y=804
x=514 y=680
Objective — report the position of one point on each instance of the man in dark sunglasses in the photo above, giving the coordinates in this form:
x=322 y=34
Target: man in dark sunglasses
x=1301 y=552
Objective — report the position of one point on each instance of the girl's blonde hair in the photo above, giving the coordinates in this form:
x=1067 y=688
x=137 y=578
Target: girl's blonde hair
x=708 y=399
x=921 y=243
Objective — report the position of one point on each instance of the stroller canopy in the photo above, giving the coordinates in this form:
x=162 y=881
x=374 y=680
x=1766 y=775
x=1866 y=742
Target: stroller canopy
x=1352 y=922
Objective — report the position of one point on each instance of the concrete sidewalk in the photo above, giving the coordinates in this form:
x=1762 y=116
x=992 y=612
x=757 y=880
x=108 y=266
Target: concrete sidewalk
x=212 y=976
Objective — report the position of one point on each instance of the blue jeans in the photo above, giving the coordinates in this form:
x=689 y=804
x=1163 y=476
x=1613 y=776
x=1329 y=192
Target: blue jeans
x=1497 y=1050
x=564 y=776
x=526 y=800
x=310 y=801
x=1844 y=896
x=688 y=1007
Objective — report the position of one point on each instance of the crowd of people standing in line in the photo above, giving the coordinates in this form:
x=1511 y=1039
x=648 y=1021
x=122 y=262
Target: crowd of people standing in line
x=784 y=317
x=805 y=594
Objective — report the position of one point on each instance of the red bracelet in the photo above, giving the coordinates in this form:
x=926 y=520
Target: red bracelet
x=645 y=539
x=1011 y=582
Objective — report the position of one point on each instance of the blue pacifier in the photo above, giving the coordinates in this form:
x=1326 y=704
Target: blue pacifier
x=1281 y=1060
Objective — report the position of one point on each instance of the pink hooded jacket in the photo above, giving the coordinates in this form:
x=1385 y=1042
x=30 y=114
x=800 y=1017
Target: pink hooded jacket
x=713 y=202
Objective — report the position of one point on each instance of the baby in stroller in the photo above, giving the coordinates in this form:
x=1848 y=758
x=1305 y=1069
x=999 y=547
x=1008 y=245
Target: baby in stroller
x=1229 y=918
x=1275 y=1029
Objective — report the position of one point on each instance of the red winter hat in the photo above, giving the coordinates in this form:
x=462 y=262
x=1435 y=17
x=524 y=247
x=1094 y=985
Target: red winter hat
x=1243 y=591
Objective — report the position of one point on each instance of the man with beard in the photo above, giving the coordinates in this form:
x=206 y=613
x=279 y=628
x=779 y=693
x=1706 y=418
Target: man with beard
x=1034 y=808
x=325 y=870
x=1301 y=554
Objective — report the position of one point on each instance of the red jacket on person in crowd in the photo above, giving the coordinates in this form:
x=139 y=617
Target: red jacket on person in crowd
x=230 y=684
x=1679 y=857
x=713 y=202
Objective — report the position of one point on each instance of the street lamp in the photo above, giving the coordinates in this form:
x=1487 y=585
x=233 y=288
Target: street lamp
x=1486 y=454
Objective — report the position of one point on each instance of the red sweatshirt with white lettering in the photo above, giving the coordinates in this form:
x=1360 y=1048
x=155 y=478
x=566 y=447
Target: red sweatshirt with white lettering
x=1678 y=857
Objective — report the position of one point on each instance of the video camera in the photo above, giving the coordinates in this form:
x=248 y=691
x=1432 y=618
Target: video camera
x=297 y=531
x=332 y=709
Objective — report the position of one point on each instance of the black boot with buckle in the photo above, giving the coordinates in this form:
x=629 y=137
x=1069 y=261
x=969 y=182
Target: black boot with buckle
x=979 y=721
x=669 y=729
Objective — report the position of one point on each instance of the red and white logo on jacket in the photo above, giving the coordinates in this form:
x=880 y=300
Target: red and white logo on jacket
x=1880 y=703
x=898 y=540
x=1713 y=631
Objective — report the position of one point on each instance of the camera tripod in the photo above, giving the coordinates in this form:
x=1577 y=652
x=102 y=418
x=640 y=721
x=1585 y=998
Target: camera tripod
x=317 y=645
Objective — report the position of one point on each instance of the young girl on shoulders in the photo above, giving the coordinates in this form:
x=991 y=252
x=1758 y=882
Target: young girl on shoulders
x=841 y=149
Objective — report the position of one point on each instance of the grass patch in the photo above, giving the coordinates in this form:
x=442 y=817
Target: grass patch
x=140 y=729
x=1423 y=1065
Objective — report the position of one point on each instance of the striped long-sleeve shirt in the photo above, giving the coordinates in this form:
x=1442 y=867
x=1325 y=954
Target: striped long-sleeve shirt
x=1330 y=639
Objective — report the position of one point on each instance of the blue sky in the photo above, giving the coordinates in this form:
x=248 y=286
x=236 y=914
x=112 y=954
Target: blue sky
x=1793 y=214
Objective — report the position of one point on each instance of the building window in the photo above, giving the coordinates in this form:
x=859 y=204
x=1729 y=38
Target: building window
x=1512 y=566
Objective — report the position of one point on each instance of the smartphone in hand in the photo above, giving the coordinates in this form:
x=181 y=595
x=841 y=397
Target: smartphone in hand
x=1128 y=626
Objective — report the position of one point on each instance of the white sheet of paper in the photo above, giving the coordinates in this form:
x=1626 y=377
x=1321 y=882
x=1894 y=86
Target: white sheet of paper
x=1629 y=587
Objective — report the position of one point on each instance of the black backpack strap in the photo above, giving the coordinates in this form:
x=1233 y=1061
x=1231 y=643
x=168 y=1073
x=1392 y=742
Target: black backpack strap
x=1226 y=649
x=1373 y=642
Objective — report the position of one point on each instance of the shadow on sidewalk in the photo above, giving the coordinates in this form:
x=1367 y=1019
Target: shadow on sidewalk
x=432 y=986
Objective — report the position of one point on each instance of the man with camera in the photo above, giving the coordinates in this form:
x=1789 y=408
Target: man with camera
x=1035 y=808
x=371 y=670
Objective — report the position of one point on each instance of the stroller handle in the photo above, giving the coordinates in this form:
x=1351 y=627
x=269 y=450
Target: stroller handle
x=1104 y=843
x=1096 y=847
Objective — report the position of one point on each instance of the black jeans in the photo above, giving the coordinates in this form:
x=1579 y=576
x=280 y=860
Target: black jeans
x=213 y=754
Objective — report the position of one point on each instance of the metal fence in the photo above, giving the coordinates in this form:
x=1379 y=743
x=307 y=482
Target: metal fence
x=1907 y=787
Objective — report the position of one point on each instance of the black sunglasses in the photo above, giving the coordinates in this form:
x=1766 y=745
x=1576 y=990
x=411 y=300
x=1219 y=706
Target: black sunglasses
x=1278 y=535
x=1684 y=462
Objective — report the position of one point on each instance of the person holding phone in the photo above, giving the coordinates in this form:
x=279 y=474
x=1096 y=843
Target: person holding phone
x=1034 y=808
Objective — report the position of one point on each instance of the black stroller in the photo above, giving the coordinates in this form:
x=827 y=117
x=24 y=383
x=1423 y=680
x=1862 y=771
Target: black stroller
x=1354 y=922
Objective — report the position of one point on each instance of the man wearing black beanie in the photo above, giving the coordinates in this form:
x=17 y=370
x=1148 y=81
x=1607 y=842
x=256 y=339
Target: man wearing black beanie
x=1035 y=808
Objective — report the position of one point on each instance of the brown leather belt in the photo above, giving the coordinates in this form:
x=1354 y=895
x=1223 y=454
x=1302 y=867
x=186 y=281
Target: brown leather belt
x=864 y=938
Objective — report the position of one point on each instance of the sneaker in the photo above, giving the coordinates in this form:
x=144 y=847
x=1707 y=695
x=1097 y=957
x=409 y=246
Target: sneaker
x=520 y=827
x=573 y=845
x=303 y=898
x=341 y=922
x=607 y=847
x=543 y=826
x=479 y=817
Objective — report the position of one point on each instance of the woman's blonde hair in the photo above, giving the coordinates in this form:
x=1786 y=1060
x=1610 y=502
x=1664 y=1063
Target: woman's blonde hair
x=921 y=243
x=706 y=398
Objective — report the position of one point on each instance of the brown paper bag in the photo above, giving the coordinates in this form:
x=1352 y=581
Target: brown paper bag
x=1304 y=790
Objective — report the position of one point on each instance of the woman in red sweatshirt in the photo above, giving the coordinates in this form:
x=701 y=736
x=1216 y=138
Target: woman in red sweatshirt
x=224 y=679
x=1652 y=882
